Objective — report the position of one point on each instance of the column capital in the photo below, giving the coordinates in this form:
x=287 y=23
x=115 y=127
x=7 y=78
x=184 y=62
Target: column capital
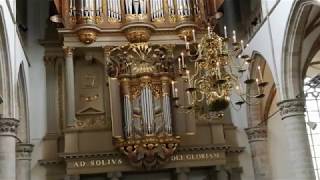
x=68 y=51
x=8 y=126
x=256 y=133
x=23 y=151
x=292 y=107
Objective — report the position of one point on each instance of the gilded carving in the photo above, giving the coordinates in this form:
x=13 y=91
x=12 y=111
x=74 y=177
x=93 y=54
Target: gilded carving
x=87 y=36
x=90 y=121
x=68 y=51
x=155 y=150
x=138 y=34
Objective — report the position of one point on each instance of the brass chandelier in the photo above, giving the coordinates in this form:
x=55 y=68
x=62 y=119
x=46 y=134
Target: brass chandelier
x=218 y=67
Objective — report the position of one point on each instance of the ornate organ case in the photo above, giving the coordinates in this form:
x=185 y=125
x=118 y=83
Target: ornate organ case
x=121 y=113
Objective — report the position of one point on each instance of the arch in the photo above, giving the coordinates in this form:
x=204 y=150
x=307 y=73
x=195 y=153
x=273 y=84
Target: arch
x=256 y=113
x=5 y=71
x=23 y=133
x=257 y=124
x=293 y=63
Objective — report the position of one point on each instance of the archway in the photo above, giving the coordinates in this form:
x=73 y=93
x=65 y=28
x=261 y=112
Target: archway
x=5 y=73
x=302 y=33
x=257 y=113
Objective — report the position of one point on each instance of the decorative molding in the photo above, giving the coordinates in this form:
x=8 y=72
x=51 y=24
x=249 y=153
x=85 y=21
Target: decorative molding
x=8 y=126
x=23 y=151
x=256 y=134
x=186 y=149
x=51 y=162
x=292 y=107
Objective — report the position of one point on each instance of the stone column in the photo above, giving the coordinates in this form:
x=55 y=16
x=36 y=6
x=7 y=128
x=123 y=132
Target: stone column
x=69 y=78
x=182 y=173
x=292 y=113
x=258 y=142
x=114 y=175
x=23 y=155
x=8 y=128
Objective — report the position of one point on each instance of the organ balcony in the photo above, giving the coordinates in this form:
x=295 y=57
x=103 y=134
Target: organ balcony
x=137 y=19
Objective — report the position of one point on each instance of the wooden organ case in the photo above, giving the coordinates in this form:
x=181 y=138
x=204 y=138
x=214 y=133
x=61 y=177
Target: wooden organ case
x=112 y=97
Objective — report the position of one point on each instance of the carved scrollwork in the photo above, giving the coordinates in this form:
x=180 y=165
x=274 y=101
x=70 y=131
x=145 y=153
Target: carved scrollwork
x=148 y=152
x=8 y=126
x=257 y=133
x=91 y=121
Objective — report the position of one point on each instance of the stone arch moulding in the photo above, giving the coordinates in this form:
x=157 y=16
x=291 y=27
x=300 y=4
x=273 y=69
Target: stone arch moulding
x=269 y=90
x=292 y=65
x=257 y=126
x=22 y=106
x=6 y=72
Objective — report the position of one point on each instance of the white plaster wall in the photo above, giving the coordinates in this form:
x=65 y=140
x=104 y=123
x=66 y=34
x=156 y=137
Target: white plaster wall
x=268 y=41
x=37 y=17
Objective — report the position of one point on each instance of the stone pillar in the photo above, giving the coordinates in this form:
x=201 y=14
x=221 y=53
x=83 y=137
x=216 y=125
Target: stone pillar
x=69 y=78
x=114 y=175
x=292 y=113
x=23 y=155
x=257 y=137
x=8 y=128
x=182 y=173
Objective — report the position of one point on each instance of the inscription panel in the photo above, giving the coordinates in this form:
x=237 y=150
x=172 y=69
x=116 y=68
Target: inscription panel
x=119 y=163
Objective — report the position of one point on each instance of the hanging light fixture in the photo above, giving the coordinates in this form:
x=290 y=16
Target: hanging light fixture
x=218 y=67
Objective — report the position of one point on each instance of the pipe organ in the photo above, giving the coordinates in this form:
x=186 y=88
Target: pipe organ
x=116 y=8
x=146 y=132
x=89 y=18
x=144 y=122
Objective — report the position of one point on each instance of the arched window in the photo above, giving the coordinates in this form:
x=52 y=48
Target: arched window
x=312 y=114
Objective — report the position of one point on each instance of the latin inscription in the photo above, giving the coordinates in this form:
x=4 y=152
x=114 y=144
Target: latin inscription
x=97 y=163
x=195 y=157
x=119 y=161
